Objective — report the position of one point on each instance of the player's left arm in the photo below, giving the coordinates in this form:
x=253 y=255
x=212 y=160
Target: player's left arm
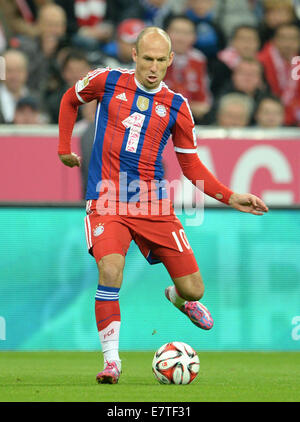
x=185 y=146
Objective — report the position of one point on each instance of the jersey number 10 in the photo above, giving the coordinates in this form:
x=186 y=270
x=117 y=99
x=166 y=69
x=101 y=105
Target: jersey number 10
x=183 y=239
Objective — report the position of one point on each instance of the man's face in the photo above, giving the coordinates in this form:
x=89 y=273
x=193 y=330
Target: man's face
x=152 y=59
x=246 y=41
x=287 y=40
x=270 y=114
x=182 y=34
x=52 y=22
x=233 y=115
x=157 y=3
x=201 y=7
x=278 y=15
x=26 y=116
x=74 y=70
x=16 y=72
x=247 y=77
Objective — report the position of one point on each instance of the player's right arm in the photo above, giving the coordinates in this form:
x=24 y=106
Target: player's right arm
x=85 y=90
x=67 y=118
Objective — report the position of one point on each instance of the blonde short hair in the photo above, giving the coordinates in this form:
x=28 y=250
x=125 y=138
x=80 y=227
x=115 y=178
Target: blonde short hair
x=154 y=29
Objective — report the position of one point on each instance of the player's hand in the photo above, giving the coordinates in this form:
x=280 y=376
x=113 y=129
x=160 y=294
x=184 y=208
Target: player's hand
x=248 y=203
x=70 y=160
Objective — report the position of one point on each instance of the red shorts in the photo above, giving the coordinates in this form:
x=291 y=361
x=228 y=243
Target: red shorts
x=159 y=238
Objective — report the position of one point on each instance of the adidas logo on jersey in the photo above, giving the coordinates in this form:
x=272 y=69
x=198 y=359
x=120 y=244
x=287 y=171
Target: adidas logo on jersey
x=122 y=96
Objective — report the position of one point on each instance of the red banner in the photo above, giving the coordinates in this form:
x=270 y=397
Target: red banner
x=267 y=168
x=30 y=170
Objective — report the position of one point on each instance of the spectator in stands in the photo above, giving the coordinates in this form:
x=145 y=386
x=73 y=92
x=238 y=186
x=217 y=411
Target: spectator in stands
x=247 y=78
x=27 y=112
x=244 y=44
x=20 y=17
x=42 y=51
x=152 y=12
x=233 y=13
x=281 y=70
x=14 y=86
x=269 y=113
x=210 y=38
x=88 y=24
x=74 y=67
x=3 y=39
x=234 y=111
x=119 y=52
x=275 y=14
x=188 y=74
x=69 y=8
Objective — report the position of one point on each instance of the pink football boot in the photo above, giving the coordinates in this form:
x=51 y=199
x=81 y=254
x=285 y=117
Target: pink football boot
x=196 y=311
x=109 y=375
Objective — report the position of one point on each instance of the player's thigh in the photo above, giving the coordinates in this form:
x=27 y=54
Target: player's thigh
x=181 y=264
x=167 y=242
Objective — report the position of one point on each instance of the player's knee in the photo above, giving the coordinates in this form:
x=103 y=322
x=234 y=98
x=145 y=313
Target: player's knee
x=196 y=292
x=190 y=287
x=111 y=270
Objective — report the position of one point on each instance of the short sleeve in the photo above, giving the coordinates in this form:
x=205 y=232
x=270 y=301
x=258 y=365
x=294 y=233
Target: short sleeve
x=92 y=86
x=183 y=132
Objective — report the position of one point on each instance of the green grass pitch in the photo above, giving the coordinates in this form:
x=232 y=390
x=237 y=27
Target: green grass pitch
x=223 y=377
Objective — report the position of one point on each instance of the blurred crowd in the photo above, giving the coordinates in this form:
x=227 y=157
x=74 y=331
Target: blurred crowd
x=236 y=61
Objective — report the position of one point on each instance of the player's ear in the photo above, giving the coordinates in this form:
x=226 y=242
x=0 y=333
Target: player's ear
x=134 y=54
x=171 y=58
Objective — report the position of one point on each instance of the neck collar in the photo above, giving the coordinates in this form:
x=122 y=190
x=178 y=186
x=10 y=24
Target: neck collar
x=149 y=91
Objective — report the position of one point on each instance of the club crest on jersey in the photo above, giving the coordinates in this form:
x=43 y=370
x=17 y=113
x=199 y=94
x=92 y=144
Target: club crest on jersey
x=161 y=110
x=142 y=103
x=98 y=230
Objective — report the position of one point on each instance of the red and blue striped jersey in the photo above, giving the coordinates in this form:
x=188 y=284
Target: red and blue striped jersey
x=132 y=127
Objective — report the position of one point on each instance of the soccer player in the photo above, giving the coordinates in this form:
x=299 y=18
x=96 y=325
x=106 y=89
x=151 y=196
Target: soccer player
x=135 y=117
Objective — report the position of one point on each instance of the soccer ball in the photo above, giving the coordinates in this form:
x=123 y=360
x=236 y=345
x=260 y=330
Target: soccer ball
x=175 y=363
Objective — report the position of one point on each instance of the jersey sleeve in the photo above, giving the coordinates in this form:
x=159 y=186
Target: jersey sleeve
x=92 y=86
x=195 y=171
x=183 y=131
x=89 y=88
